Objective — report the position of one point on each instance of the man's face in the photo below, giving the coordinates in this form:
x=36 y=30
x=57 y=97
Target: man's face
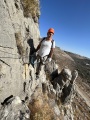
x=49 y=34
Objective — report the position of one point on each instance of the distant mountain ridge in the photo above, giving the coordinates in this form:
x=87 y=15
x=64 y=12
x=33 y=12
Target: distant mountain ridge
x=74 y=61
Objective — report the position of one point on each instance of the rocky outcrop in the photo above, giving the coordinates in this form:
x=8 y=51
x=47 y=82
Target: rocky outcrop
x=63 y=82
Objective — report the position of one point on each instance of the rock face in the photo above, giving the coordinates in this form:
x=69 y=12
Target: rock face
x=14 y=109
x=18 y=36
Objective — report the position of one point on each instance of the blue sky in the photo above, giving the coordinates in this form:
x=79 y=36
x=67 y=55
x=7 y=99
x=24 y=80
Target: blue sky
x=71 y=21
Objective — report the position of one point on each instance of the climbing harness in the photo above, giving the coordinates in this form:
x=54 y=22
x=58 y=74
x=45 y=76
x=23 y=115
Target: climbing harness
x=34 y=60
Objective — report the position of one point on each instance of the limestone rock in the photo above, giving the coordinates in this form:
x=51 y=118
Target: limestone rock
x=14 y=110
x=64 y=85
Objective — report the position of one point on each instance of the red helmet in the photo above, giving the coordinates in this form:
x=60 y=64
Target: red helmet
x=51 y=30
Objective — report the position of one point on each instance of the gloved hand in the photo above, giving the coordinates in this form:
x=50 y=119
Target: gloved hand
x=49 y=59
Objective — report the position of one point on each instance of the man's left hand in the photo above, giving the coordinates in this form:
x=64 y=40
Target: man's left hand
x=49 y=59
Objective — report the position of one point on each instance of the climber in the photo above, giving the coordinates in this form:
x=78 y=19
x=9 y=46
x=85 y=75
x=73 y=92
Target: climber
x=45 y=50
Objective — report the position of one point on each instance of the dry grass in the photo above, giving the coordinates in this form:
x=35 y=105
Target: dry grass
x=31 y=7
x=41 y=110
x=20 y=47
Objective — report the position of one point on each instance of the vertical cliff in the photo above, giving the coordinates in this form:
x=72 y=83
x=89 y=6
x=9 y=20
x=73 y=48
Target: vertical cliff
x=18 y=30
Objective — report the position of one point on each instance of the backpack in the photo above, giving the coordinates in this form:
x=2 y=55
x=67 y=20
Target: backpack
x=51 y=41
